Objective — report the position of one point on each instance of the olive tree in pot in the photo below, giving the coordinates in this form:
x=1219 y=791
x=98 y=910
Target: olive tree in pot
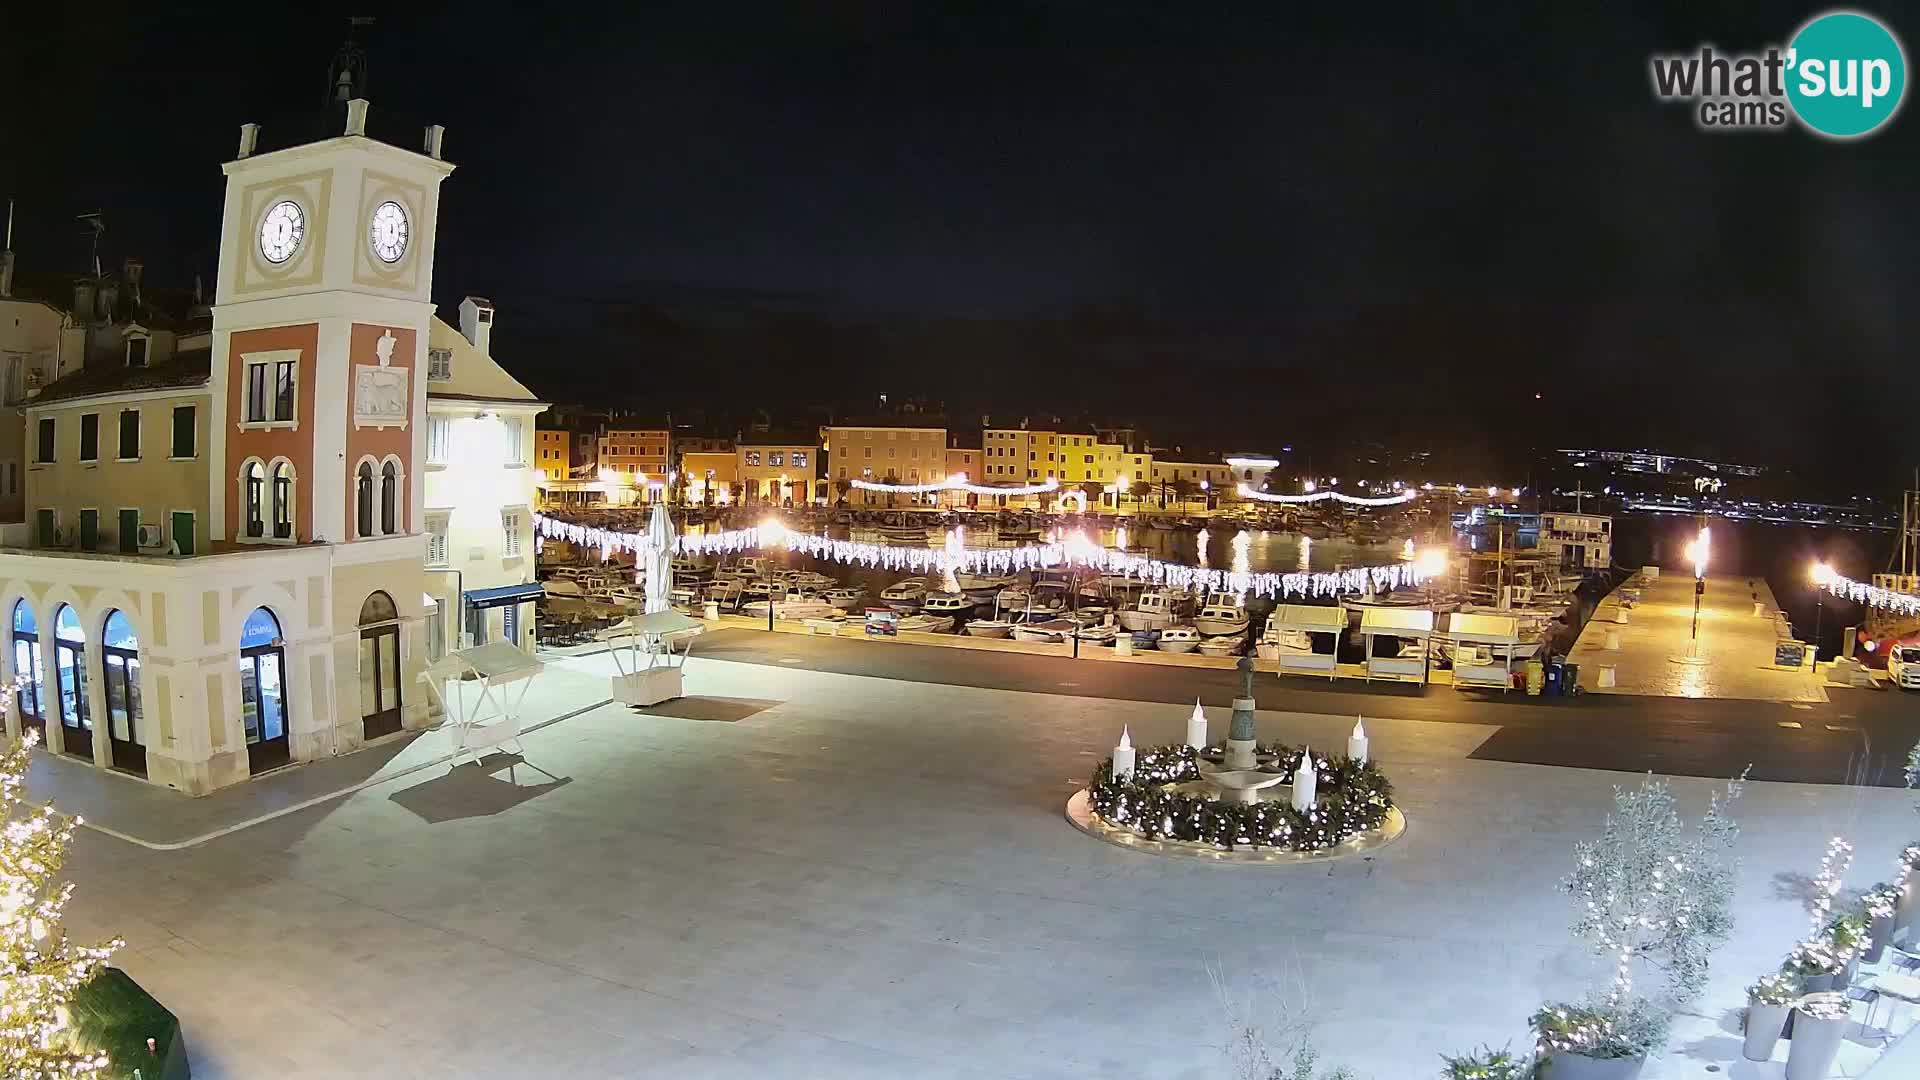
x=1650 y=895
x=1821 y=1020
x=1880 y=903
x=1487 y=1064
x=1768 y=1002
x=1848 y=935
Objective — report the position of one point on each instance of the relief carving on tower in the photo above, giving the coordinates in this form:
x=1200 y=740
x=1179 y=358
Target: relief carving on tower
x=380 y=390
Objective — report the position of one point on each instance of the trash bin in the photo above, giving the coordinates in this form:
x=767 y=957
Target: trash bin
x=1552 y=686
x=1536 y=677
x=1123 y=644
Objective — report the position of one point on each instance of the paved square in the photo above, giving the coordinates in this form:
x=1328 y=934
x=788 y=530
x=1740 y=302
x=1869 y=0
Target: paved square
x=823 y=875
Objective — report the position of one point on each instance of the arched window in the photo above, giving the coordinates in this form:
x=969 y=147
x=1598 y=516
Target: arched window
x=389 y=497
x=378 y=608
x=26 y=666
x=263 y=697
x=70 y=662
x=120 y=665
x=283 y=500
x=256 y=481
x=363 y=499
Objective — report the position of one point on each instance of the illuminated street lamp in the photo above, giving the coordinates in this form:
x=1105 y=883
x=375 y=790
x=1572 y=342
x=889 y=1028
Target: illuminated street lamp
x=1697 y=552
x=1822 y=575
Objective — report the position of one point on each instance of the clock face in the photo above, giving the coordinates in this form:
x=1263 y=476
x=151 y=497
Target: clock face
x=387 y=232
x=282 y=230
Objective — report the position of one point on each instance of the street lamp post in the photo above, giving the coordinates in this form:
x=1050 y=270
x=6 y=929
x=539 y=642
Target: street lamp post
x=1698 y=550
x=1822 y=573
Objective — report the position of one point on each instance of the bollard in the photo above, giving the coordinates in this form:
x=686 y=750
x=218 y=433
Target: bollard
x=713 y=610
x=1606 y=678
x=1123 y=644
x=1759 y=609
x=1613 y=640
x=1621 y=617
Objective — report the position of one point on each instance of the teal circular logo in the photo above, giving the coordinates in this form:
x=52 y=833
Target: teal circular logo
x=1846 y=74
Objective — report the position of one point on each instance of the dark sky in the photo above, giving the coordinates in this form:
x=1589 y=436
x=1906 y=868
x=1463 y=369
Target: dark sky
x=1247 y=221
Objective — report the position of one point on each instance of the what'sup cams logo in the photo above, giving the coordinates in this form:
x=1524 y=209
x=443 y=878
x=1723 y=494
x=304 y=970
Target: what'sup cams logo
x=1842 y=76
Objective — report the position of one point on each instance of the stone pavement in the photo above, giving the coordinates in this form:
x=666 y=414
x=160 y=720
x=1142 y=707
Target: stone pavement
x=797 y=874
x=1736 y=644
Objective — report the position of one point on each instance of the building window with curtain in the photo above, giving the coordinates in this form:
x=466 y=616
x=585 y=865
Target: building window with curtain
x=389 y=498
x=283 y=501
x=256 y=481
x=363 y=500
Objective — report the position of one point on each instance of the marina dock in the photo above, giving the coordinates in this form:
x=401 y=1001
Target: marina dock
x=1654 y=651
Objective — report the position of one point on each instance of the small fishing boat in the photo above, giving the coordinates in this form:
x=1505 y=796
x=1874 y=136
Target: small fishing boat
x=1274 y=642
x=1179 y=639
x=793 y=610
x=958 y=605
x=905 y=595
x=1217 y=619
x=927 y=624
x=1049 y=631
x=904 y=535
x=691 y=571
x=846 y=599
x=1100 y=634
x=990 y=628
x=983 y=586
x=1153 y=611
x=1227 y=645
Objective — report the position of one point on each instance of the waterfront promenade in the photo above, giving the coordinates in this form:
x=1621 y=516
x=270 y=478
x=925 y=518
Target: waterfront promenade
x=1658 y=655
x=797 y=873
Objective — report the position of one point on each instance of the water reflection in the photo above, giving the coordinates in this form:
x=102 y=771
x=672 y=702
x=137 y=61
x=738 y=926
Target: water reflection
x=1305 y=562
x=1200 y=538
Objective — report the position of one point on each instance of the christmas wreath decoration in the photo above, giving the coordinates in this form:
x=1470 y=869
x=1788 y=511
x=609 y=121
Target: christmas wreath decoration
x=1352 y=798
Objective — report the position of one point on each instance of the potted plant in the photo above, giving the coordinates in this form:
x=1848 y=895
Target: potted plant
x=1599 y=1041
x=1909 y=905
x=1848 y=934
x=1487 y=1064
x=1881 y=903
x=1820 y=1020
x=1768 y=1002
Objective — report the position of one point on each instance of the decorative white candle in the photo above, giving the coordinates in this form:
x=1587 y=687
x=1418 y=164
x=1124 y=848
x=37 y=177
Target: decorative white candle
x=1357 y=742
x=1304 y=781
x=1197 y=727
x=1123 y=757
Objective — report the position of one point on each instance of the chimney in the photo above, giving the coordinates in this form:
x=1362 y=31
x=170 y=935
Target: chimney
x=435 y=133
x=83 y=300
x=132 y=270
x=476 y=322
x=357 y=116
x=249 y=135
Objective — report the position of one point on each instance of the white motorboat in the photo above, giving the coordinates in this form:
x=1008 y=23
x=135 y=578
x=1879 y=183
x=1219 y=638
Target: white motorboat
x=1222 y=646
x=1155 y=610
x=958 y=605
x=1099 y=635
x=927 y=624
x=750 y=566
x=691 y=570
x=764 y=589
x=1051 y=630
x=905 y=595
x=904 y=535
x=1274 y=643
x=726 y=592
x=990 y=628
x=1217 y=619
x=793 y=610
x=846 y=599
x=1179 y=639
x=808 y=579
x=982 y=586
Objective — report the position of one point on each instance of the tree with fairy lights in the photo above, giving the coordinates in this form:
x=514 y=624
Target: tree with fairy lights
x=1650 y=895
x=40 y=969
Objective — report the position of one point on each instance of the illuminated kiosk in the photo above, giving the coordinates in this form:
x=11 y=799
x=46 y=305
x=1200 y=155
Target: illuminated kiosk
x=481 y=690
x=1309 y=619
x=1415 y=623
x=657 y=678
x=1502 y=632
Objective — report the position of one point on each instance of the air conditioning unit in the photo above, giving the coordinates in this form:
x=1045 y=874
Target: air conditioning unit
x=150 y=538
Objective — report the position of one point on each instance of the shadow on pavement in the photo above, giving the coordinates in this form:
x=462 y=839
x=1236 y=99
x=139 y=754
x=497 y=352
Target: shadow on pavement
x=725 y=710
x=476 y=790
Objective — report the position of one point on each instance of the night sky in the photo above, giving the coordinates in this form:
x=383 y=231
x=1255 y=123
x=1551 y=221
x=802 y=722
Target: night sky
x=1243 y=226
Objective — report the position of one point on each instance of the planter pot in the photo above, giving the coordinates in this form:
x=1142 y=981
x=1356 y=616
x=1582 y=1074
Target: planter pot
x=649 y=687
x=1905 y=913
x=1847 y=976
x=1879 y=936
x=1764 y=1024
x=1812 y=984
x=1816 y=1043
x=1564 y=1066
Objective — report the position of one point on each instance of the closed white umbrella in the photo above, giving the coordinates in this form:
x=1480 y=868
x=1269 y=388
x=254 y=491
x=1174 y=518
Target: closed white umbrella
x=659 y=560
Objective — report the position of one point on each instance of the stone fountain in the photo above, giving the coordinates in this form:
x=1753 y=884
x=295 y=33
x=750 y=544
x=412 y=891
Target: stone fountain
x=1239 y=777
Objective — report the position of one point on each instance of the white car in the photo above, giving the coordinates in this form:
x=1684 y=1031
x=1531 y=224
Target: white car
x=1903 y=665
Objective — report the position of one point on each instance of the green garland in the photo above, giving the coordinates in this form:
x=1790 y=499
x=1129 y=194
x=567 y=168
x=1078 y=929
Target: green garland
x=1350 y=798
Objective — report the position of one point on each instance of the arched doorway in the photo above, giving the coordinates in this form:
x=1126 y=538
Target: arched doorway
x=120 y=665
x=70 y=665
x=379 y=666
x=263 y=698
x=26 y=665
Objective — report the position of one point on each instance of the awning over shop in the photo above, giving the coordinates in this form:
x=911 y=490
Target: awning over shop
x=525 y=592
x=1314 y=619
x=1486 y=629
x=1396 y=622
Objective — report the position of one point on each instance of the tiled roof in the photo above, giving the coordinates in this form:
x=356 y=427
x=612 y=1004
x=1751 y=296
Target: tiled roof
x=184 y=369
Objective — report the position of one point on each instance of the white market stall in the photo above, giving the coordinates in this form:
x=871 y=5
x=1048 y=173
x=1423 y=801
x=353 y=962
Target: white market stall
x=1397 y=622
x=1502 y=632
x=480 y=691
x=642 y=647
x=1309 y=619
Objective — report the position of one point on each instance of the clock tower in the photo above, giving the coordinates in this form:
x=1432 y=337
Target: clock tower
x=317 y=425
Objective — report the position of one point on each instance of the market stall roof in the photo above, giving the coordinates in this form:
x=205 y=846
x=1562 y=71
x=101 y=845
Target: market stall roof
x=1487 y=629
x=1396 y=621
x=496 y=661
x=658 y=622
x=1311 y=618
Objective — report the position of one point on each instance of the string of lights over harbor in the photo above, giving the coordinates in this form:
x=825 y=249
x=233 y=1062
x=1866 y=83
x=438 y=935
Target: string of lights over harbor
x=1076 y=552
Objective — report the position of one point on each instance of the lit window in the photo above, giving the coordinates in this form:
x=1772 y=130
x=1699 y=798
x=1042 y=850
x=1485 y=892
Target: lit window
x=776 y=458
x=799 y=459
x=753 y=457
